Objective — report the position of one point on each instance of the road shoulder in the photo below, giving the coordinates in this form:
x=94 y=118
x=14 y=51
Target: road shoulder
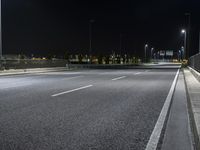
x=178 y=132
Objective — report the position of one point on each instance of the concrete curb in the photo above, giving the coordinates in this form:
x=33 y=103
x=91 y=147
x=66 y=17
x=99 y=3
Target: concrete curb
x=193 y=95
x=195 y=73
x=29 y=71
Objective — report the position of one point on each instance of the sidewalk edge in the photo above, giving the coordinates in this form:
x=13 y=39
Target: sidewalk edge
x=191 y=112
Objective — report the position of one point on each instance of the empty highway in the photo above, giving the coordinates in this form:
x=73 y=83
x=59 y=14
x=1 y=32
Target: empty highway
x=101 y=109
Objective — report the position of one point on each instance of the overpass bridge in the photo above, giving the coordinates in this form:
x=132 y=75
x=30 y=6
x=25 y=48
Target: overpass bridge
x=151 y=106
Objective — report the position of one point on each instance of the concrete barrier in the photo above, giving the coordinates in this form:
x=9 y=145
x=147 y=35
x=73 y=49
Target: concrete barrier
x=28 y=71
x=30 y=63
x=195 y=73
x=124 y=66
x=101 y=66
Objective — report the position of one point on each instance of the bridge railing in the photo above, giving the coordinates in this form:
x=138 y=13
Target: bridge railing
x=194 y=62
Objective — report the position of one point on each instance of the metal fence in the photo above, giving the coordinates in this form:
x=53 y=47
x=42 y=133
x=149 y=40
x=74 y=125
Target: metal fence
x=29 y=63
x=194 y=62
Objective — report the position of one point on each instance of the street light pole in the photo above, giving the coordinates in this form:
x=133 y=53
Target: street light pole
x=120 y=44
x=188 y=37
x=145 y=52
x=90 y=40
x=185 y=42
x=151 y=51
x=185 y=45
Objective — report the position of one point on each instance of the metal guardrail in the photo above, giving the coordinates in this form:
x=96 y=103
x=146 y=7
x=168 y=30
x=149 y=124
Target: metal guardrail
x=29 y=63
x=194 y=62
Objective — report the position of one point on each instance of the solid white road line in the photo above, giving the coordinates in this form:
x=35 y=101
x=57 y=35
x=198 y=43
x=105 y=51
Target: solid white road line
x=155 y=136
x=137 y=73
x=72 y=77
x=70 y=91
x=59 y=73
x=105 y=73
x=118 y=78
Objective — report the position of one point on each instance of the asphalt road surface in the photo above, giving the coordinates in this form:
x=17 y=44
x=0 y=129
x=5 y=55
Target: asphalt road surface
x=82 y=110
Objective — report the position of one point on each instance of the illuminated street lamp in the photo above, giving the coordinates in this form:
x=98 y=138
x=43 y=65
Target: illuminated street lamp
x=183 y=31
x=145 y=52
x=152 y=49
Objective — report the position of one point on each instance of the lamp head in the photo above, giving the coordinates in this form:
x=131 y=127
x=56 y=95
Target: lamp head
x=183 y=31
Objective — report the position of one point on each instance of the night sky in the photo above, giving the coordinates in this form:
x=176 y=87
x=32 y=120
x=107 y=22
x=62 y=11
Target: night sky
x=42 y=27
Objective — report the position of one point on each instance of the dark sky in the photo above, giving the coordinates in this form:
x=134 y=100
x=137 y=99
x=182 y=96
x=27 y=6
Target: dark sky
x=56 y=26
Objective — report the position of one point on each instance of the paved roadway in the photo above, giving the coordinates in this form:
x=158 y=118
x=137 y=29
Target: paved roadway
x=82 y=110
